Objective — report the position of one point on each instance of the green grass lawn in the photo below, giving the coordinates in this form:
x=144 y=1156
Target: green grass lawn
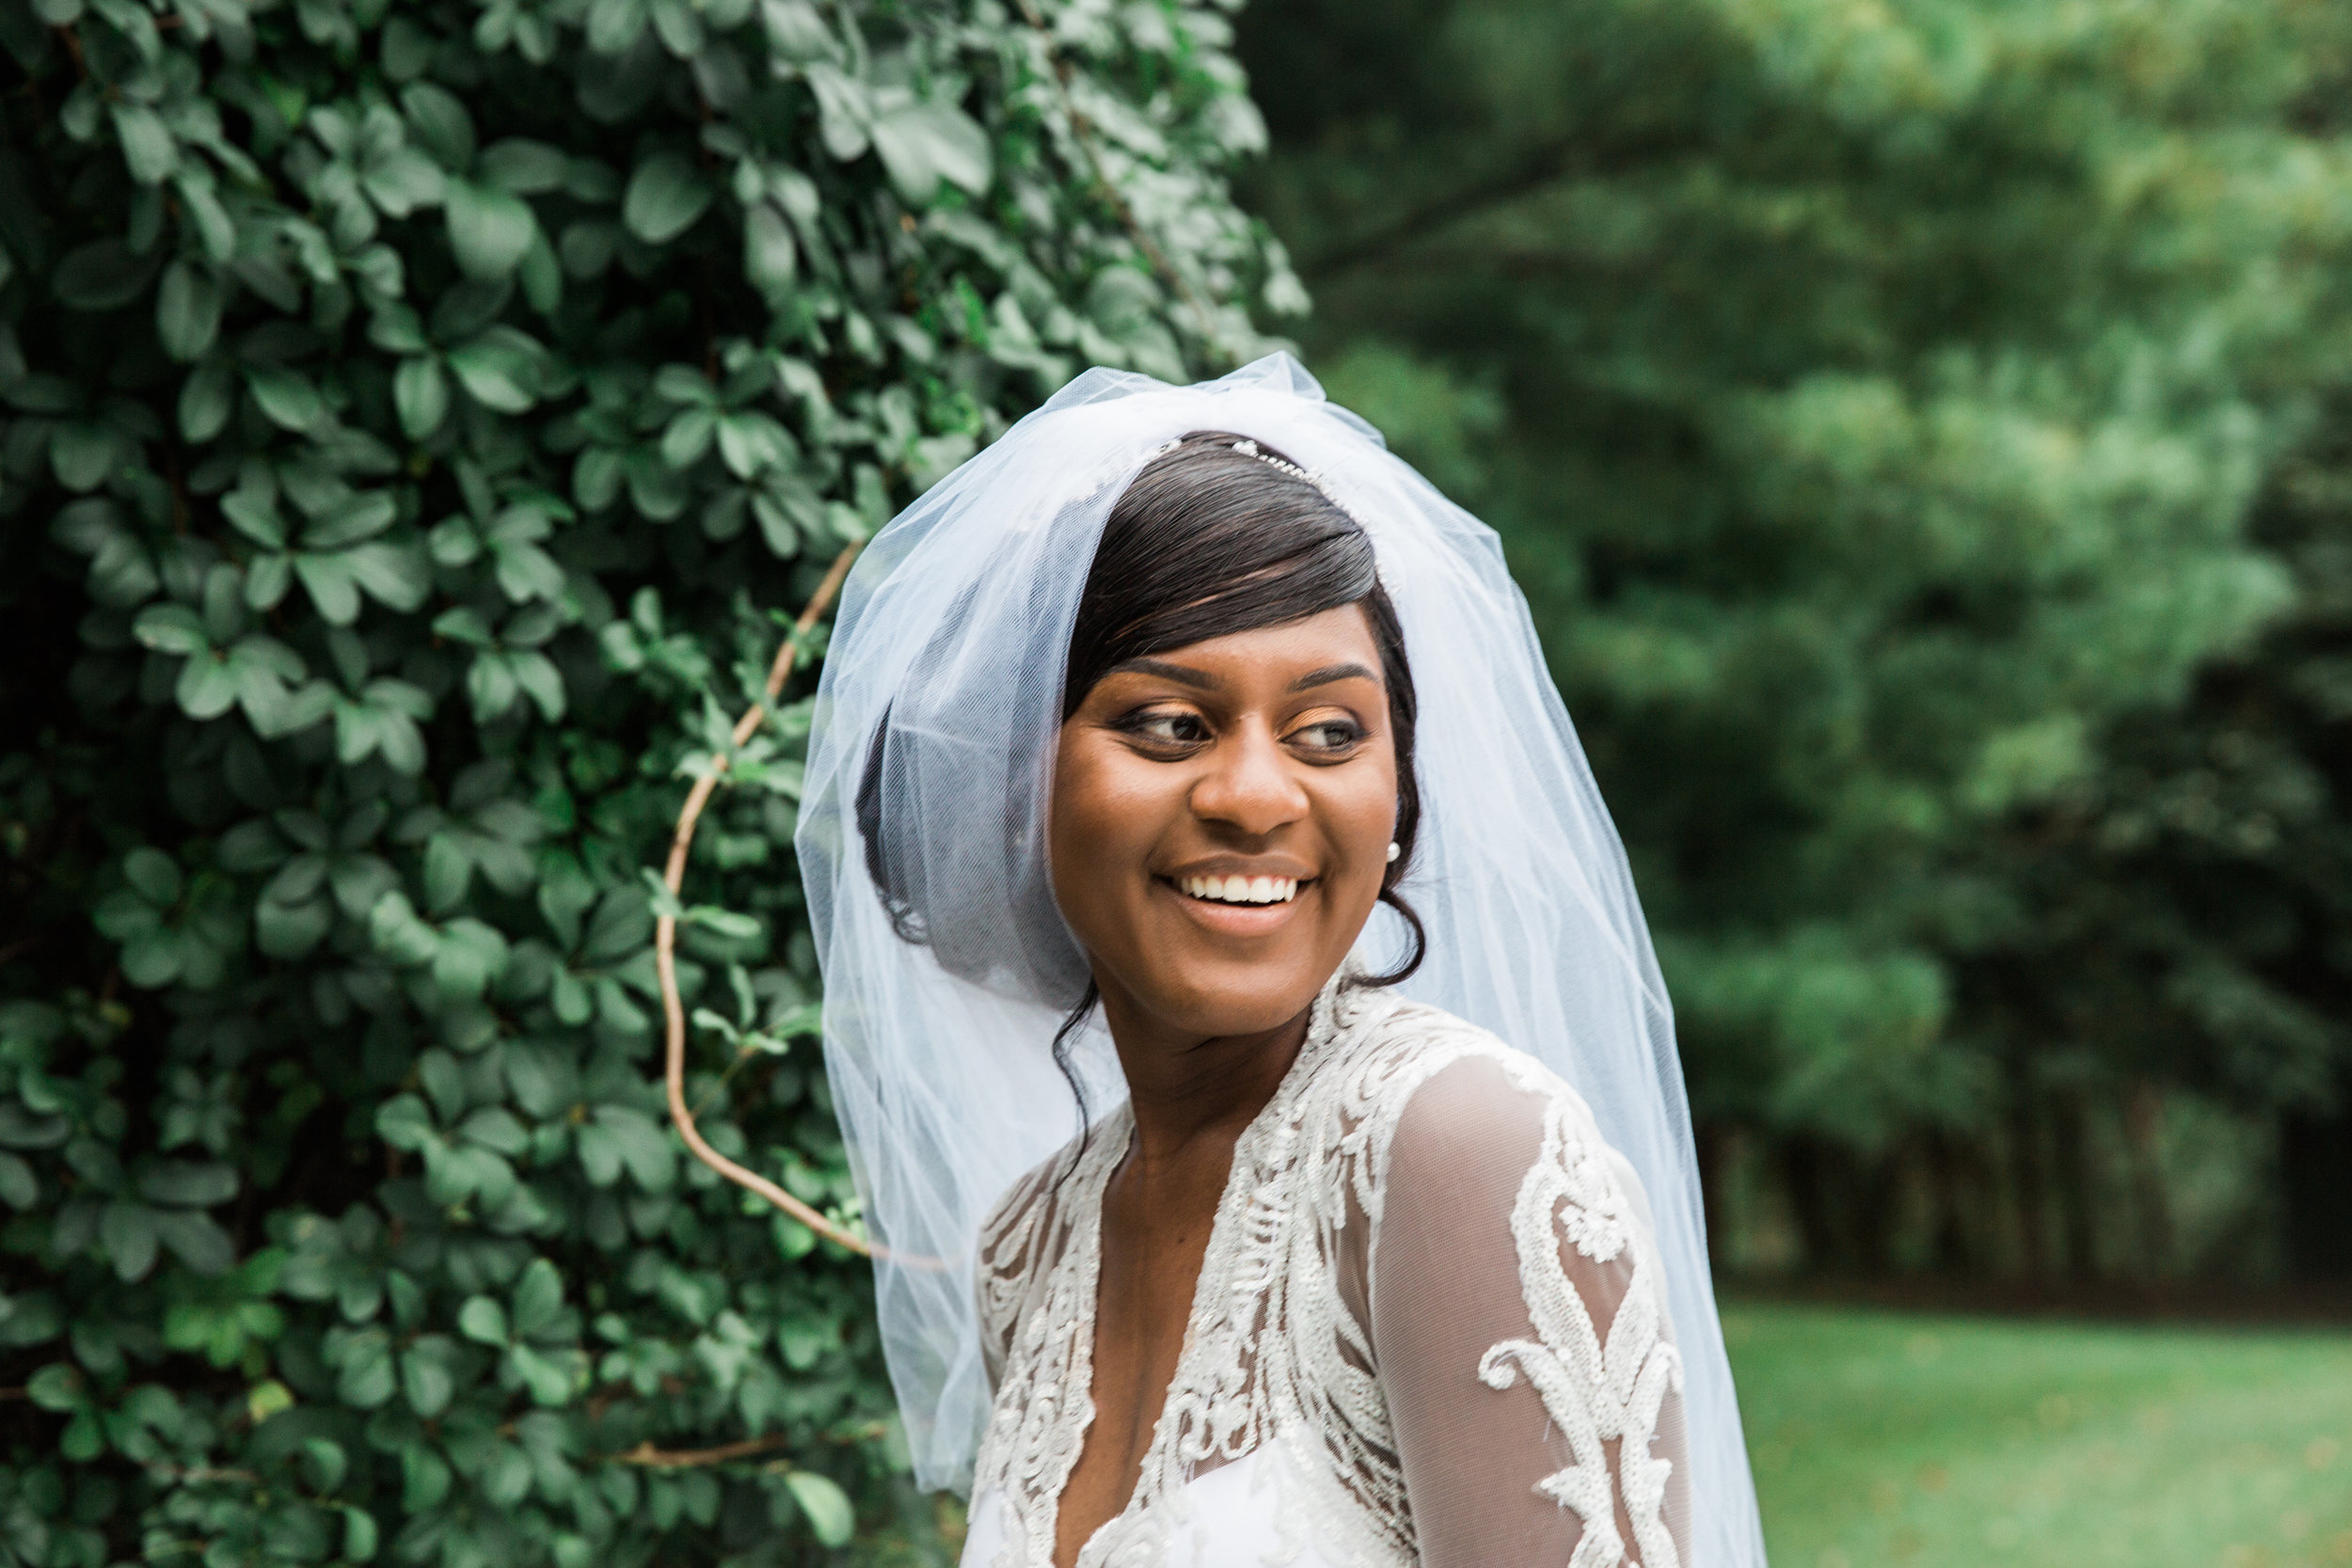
x=1933 y=1442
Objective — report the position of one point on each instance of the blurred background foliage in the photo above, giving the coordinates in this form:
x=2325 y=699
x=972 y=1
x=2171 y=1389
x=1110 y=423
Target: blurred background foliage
x=423 y=422
x=1920 y=429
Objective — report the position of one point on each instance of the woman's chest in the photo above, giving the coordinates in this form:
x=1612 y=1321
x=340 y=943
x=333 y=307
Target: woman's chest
x=1154 y=1239
x=1234 y=1517
x=1272 y=1363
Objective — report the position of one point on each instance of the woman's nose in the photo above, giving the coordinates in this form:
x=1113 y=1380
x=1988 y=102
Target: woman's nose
x=1249 y=786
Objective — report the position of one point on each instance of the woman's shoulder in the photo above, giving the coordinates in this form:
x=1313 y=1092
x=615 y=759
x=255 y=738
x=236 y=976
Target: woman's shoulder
x=1027 y=1226
x=1448 y=1070
x=1031 y=1201
x=1450 y=1095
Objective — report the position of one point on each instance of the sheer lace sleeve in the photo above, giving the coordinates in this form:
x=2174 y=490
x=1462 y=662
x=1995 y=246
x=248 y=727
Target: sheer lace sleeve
x=1521 y=1335
x=1017 y=1240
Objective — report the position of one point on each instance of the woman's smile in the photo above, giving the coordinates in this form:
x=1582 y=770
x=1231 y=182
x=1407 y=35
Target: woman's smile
x=1236 y=904
x=1221 y=822
x=1239 y=888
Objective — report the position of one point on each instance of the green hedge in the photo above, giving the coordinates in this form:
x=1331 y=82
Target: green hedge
x=422 y=421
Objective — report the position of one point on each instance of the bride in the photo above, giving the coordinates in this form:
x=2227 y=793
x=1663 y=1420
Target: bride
x=1245 y=1035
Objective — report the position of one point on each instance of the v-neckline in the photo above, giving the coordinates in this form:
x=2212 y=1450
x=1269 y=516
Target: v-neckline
x=1086 y=1255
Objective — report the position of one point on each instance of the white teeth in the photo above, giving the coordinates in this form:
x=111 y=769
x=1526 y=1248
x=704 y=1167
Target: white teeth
x=1243 y=890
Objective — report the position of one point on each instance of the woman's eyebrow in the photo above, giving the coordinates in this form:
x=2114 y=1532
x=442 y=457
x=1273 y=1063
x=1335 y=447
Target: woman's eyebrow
x=1183 y=674
x=1331 y=672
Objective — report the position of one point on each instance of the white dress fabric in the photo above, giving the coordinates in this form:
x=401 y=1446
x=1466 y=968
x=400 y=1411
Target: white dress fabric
x=1429 y=1329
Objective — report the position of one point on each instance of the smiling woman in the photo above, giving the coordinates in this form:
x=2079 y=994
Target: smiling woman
x=1119 y=754
x=1237 y=729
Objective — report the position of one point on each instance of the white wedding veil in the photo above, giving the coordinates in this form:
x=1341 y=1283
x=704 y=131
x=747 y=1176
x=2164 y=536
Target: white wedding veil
x=954 y=629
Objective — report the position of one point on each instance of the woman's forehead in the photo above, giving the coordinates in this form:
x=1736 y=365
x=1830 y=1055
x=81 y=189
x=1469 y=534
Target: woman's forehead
x=1331 y=644
x=1327 y=636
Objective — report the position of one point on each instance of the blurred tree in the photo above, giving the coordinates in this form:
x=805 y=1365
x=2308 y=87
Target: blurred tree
x=1872 y=398
x=2188 y=908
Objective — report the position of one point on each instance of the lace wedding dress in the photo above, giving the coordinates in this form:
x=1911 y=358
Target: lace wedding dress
x=1430 y=1329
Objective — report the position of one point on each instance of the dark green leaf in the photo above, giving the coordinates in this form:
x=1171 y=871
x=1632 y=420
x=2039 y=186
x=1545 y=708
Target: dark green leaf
x=23 y=1129
x=187 y=310
x=483 y=1321
x=428 y=1373
x=498 y=368
x=196 y=1240
x=365 y=1376
x=538 y=1299
x=394 y=575
x=207 y=398
x=771 y=260
x=331 y=586
x=425 y=1479
x=441 y=124
x=925 y=143
x=291 y=930
x=82 y=455
x=286 y=396
x=19 y=1189
x=551 y=1376
x=665 y=194
x=187 y=1185
x=103 y=276
x=403 y=1121
x=404 y=181
x=521 y=167
x=127 y=1233
x=56 y=1387
x=420 y=393
x=154 y=874
x=29 y=1319
x=359 y=1534
x=831 y=1518
x=640 y=1144
x=488 y=229
x=148 y=146
x=494 y=1127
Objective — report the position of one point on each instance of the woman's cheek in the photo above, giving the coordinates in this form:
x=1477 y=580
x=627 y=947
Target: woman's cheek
x=1102 y=838
x=1365 y=822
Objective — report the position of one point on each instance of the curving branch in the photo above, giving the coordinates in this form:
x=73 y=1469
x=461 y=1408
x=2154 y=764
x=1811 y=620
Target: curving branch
x=665 y=964
x=685 y=1458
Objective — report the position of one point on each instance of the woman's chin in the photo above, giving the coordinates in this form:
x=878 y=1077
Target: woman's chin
x=1217 y=994
x=1209 y=968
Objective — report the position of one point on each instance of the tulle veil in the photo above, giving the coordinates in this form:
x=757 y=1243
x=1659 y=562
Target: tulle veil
x=955 y=626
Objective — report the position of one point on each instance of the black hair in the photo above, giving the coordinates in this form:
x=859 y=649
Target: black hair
x=1218 y=534
x=1222 y=534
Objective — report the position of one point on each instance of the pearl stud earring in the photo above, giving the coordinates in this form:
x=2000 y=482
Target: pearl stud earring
x=1394 y=849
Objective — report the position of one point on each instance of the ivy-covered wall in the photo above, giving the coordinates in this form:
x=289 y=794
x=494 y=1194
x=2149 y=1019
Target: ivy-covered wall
x=422 y=421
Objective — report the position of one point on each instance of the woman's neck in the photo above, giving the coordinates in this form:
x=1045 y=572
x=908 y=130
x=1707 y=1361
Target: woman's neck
x=1190 y=1093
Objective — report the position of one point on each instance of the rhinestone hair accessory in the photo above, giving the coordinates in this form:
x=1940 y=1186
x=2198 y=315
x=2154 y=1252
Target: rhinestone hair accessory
x=1249 y=448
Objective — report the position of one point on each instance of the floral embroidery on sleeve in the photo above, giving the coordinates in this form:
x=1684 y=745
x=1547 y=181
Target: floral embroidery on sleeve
x=1593 y=1391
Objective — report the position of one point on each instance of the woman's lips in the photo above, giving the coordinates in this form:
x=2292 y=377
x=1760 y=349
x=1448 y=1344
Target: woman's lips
x=1240 y=919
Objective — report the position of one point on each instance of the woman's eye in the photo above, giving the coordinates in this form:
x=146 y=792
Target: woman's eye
x=1168 y=729
x=1329 y=735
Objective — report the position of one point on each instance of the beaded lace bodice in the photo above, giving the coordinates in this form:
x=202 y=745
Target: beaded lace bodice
x=1430 y=1316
